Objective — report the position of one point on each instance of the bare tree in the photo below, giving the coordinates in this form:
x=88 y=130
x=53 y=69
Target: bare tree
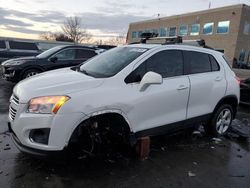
x=48 y=35
x=118 y=40
x=72 y=28
x=62 y=37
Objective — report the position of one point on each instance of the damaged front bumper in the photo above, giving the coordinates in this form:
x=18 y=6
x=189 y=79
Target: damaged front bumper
x=31 y=151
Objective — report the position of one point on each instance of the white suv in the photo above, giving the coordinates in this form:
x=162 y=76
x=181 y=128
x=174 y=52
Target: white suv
x=125 y=93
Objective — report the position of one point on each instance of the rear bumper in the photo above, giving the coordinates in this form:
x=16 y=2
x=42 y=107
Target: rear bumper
x=244 y=103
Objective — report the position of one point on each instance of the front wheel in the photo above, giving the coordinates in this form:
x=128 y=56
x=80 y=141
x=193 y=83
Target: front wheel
x=221 y=121
x=30 y=72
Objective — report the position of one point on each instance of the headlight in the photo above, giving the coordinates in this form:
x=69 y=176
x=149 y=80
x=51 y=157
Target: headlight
x=46 y=105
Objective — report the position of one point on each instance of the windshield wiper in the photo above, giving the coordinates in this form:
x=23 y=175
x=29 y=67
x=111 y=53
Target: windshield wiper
x=86 y=72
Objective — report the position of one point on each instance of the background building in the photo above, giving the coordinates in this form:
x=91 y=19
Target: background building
x=226 y=29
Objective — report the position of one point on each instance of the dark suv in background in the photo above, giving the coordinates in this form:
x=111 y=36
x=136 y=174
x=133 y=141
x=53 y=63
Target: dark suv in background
x=58 y=57
x=14 y=48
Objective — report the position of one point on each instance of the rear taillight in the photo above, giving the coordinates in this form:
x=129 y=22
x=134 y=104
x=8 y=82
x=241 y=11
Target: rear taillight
x=237 y=80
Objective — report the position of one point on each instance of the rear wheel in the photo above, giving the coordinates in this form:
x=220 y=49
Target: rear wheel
x=221 y=121
x=30 y=72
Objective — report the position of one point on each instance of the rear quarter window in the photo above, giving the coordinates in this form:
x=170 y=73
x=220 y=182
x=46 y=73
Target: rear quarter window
x=214 y=64
x=16 y=45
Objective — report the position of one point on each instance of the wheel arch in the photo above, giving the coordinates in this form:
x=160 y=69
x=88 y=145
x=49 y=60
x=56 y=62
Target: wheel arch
x=96 y=115
x=231 y=100
x=29 y=68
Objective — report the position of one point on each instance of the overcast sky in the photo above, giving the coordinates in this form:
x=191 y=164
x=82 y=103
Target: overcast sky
x=28 y=18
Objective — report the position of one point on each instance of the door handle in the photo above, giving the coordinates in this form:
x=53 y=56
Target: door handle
x=182 y=87
x=218 y=78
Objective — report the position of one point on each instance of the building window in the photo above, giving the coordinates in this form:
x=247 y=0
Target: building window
x=183 y=30
x=195 y=29
x=247 y=28
x=139 y=33
x=223 y=27
x=134 y=34
x=172 y=31
x=163 y=32
x=208 y=28
x=155 y=31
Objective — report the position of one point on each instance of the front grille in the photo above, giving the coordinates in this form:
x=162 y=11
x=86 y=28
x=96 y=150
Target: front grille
x=14 y=102
x=2 y=70
x=15 y=99
x=12 y=113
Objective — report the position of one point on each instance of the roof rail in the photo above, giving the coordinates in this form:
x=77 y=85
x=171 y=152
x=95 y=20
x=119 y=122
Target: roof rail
x=152 y=38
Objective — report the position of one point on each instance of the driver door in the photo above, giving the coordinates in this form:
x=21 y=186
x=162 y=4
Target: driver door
x=65 y=58
x=160 y=107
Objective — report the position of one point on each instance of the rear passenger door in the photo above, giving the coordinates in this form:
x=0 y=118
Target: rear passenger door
x=208 y=83
x=162 y=104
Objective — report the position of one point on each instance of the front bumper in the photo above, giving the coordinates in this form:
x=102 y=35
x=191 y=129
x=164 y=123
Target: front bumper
x=28 y=150
x=61 y=128
x=10 y=74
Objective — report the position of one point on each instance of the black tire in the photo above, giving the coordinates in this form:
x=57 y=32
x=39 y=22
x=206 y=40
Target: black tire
x=30 y=72
x=214 y=127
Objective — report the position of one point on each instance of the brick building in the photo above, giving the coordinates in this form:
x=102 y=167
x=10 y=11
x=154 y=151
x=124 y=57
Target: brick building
x=226 y=29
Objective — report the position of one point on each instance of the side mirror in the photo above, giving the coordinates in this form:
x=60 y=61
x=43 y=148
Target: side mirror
x=148 y=79
x=53 y=59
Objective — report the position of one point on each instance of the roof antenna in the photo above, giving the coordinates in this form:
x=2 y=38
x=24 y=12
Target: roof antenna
x=209 y=5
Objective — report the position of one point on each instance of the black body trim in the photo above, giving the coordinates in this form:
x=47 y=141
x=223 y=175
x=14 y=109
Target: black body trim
x=173 y=127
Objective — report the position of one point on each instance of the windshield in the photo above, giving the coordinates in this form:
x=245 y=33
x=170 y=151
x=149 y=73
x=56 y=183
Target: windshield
x=49 y=52
x=111 y=62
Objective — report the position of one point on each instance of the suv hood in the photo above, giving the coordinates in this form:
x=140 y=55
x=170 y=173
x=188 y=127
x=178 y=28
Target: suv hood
x=23 y=59
x=58 y=82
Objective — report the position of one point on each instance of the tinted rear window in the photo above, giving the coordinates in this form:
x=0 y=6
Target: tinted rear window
x=214 y=64
x=22 y=45
x=2 y=44
x=198 y=62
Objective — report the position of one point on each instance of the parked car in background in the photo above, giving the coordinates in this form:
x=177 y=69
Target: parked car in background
x=58 y=57
x=106 y=47
x=245 y=91
x=15 y=48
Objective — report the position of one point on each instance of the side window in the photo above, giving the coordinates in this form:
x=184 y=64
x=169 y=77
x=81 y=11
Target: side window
x=84 y=53
x=15 y=45
x=168 y=63
x=198 y=62
x=68 y=54
x=137 y=74
x=214 y=64
x=2 y=44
